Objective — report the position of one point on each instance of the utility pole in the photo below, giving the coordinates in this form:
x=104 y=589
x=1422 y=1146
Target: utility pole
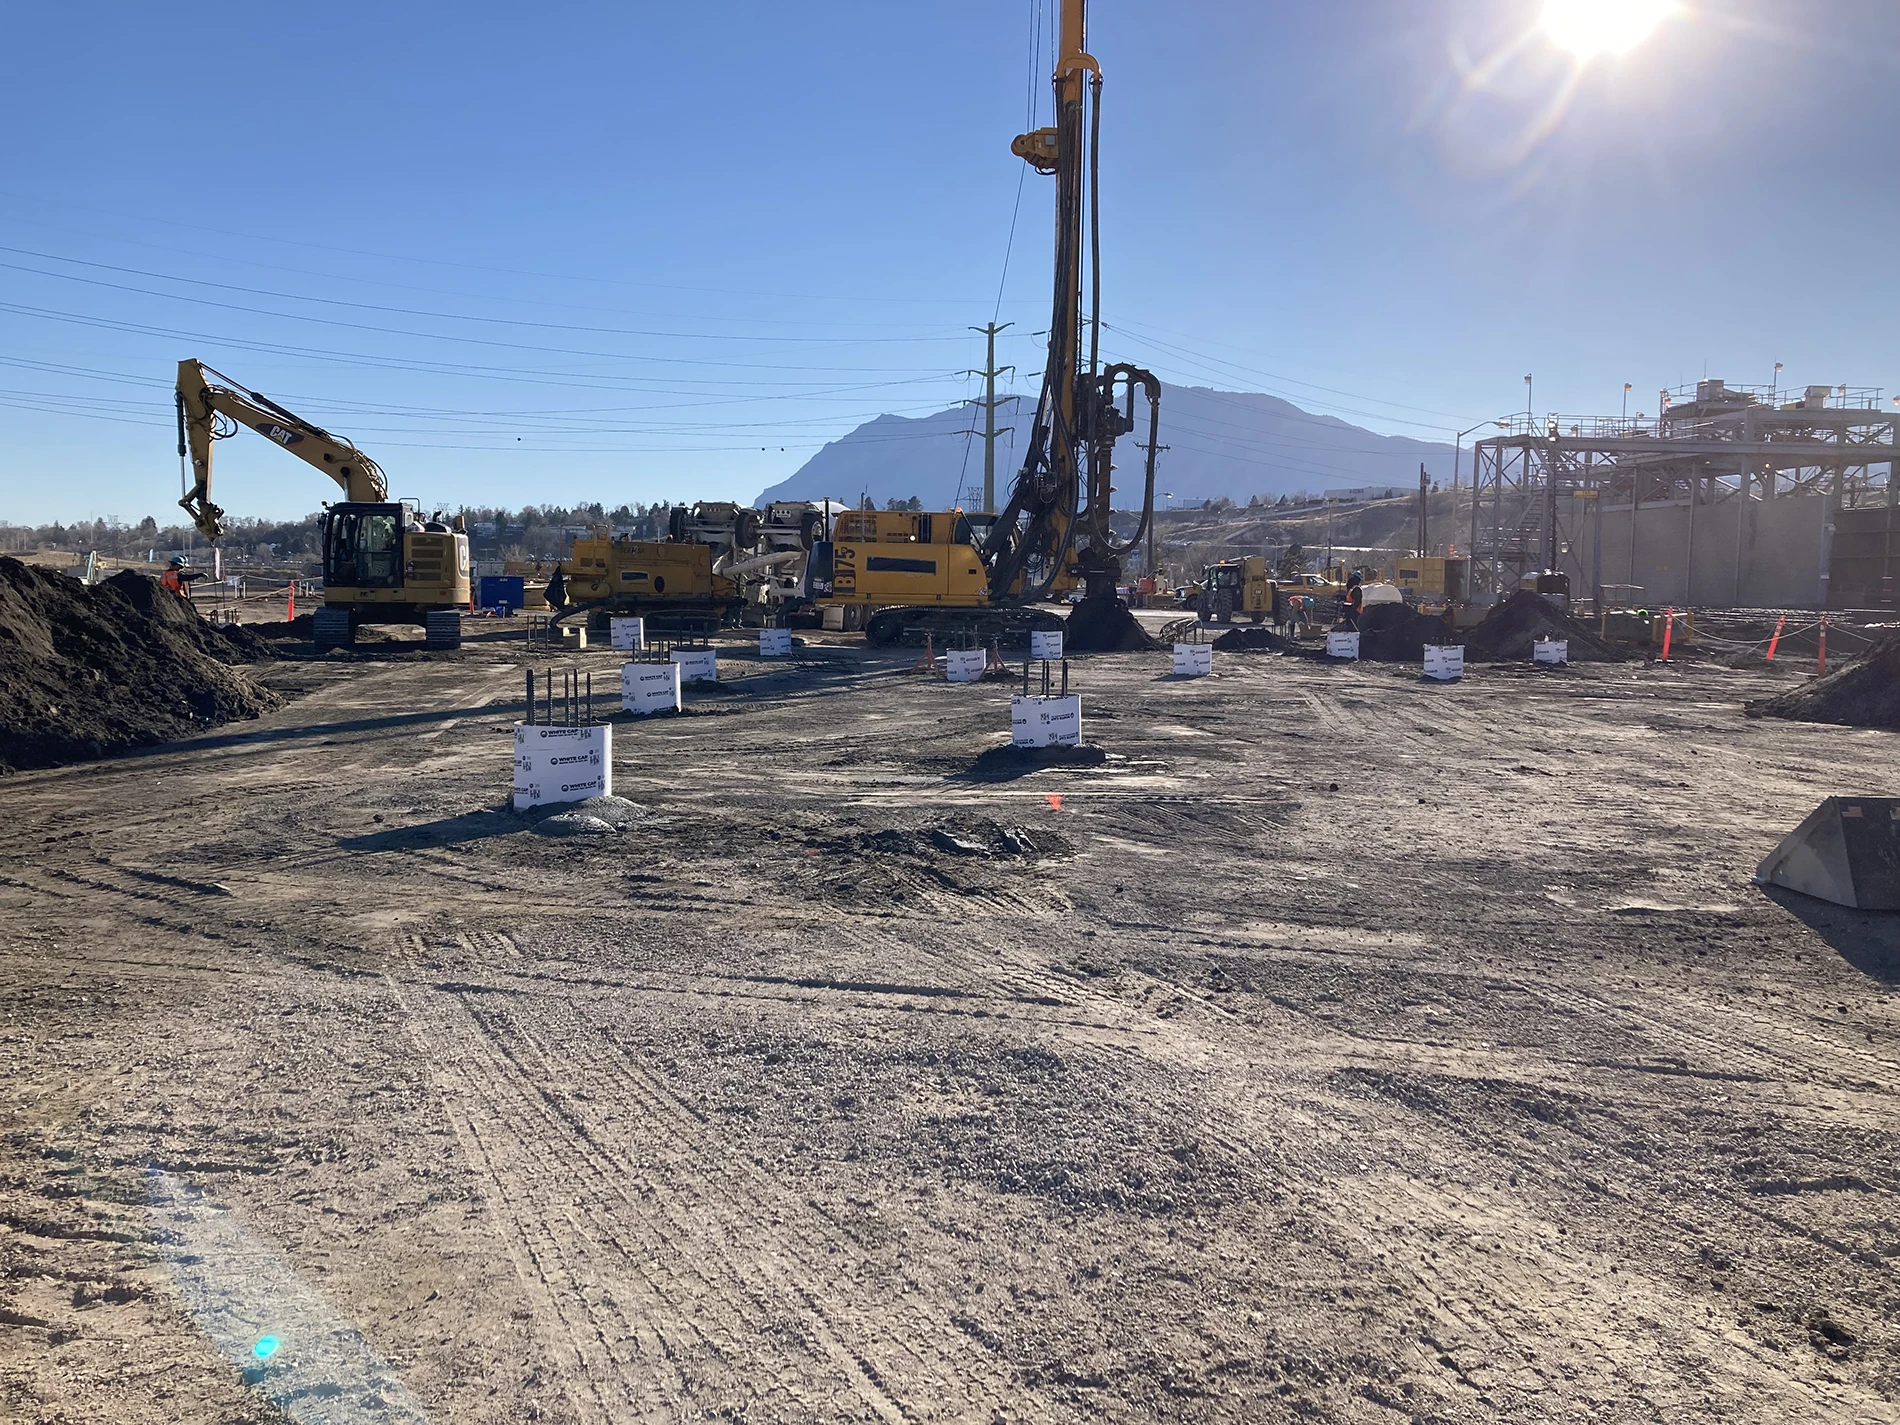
x=989 y=403
x=1423 y=490
x=1159 y=450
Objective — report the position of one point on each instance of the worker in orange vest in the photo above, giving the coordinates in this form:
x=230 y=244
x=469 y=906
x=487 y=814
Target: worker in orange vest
x=177 y=577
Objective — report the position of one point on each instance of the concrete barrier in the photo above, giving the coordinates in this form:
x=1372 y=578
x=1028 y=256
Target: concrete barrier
x=1342 y=645
x=775 y=642
x=1046 y=646
x=562 y=764
x=1045 y=722
x=650 y=687
x=627 y=635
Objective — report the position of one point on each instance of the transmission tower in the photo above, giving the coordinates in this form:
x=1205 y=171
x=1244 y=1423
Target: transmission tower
x=989 y=403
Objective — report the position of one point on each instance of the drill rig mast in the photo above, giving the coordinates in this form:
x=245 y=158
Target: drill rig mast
x=1056 y=522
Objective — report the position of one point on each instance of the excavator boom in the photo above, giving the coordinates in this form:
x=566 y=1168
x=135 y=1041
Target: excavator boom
x=202 y=401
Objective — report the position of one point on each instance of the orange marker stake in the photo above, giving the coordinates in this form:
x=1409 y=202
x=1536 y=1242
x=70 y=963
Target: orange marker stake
x=1822 y=668
x=1669 y=627
x=1055 y=801
x=1780 y=623
x=290 y=604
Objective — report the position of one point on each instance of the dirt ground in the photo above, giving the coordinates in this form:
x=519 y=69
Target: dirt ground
x=1344 y=1048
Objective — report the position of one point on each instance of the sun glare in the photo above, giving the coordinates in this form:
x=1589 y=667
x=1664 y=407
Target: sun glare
x=1591 y=27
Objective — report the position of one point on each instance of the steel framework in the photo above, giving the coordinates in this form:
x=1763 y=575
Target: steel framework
x=1535 y=485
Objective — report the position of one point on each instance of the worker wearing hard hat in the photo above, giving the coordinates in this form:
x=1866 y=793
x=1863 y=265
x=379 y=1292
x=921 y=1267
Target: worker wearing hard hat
x=1355 y=603
x=178 y=577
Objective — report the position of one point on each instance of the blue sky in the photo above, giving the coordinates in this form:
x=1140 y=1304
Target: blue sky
x=664 y=252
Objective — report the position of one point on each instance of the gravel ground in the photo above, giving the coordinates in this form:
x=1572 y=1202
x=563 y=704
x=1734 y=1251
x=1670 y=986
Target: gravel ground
x=1341 y=1048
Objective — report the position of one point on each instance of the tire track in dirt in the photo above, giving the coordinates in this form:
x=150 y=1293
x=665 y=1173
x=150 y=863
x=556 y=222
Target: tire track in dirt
x=918 y=1360
x=711 y=1333
x=571 y=1271
x=1709 y=1046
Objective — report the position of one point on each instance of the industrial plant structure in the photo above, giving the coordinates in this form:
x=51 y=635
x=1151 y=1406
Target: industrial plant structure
x=1732 y=496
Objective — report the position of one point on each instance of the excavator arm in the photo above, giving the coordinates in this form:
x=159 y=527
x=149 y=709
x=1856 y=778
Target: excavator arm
x=211 y=407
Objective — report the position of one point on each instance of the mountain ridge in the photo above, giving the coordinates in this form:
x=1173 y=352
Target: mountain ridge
x=1232 y=444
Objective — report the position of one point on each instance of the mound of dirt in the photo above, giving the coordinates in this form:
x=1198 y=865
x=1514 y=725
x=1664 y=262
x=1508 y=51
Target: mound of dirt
x=596 y=816
x=1243 y=638
x=960 y=838
x=1509 y=630
x=1105 y=626
x=85 y=672
x=302 y=628
x=1003 y=764
x=1864 y=693
x=1398 y=633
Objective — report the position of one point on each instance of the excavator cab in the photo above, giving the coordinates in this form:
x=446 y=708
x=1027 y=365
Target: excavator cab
x=362 y=546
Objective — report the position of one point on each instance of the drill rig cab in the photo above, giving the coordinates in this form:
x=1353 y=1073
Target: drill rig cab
x=382 y=562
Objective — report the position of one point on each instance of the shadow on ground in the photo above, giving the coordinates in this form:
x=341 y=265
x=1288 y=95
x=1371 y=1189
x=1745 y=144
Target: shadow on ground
x=450 y=831
x=1869 y=940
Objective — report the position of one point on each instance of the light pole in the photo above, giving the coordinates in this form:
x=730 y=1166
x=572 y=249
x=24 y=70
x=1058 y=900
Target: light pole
x=1626 y=398
x=1528 y=418
x=1774 y=386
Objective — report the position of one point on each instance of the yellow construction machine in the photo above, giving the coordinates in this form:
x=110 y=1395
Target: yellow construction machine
x=907 y=573
x=1236 y=586
x=1433 y=583
x=382 y=562
x=669 y=581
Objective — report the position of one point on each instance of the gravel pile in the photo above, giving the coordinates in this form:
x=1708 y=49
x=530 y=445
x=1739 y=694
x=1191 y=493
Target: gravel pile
x=86 y=672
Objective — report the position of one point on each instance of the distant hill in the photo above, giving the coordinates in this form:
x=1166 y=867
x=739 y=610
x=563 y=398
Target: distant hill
x=1233 y=443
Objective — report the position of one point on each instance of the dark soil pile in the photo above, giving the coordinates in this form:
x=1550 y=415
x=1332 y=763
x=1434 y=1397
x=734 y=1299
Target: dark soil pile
x=301 y=626
x=1005 y=764
x=1398 y=633
x=85 y=672
x=1105 y=626
x=1864 y=693
x=1243 y=638
x=1509 y=630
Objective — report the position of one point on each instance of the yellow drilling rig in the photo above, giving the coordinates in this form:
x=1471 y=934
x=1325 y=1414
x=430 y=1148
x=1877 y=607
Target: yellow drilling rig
x=949 y=573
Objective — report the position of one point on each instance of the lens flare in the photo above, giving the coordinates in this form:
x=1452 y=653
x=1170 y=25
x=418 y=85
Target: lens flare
x=266 y=1347
x=1591 y=27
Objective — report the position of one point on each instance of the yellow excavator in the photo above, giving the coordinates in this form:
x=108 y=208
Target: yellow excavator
x=382 y=563
x=1053 y=535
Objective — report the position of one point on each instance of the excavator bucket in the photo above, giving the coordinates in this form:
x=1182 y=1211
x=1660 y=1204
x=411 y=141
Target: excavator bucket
x=1847 y=851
